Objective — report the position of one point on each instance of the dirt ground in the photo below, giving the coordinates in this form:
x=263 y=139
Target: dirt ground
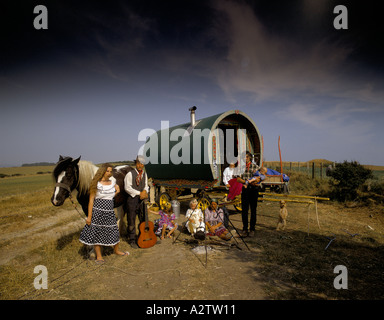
x=166 y=271
x=181 y=269
x=37 y=233
x=175 y=268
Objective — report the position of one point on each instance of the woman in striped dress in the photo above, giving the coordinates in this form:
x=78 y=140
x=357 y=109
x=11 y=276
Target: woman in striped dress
x=101 y=225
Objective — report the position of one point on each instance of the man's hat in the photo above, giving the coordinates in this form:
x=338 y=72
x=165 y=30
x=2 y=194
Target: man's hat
x=140 y=159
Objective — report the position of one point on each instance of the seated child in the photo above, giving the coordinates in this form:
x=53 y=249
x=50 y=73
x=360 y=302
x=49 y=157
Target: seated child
x=214 y=220
x=166 y=221
x=195 y=223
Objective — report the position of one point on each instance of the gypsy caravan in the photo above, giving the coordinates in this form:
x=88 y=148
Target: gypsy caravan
x=191 y=157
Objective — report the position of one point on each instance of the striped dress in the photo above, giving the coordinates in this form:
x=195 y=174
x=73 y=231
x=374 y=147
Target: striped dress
x=103 y=229
x=213 y=218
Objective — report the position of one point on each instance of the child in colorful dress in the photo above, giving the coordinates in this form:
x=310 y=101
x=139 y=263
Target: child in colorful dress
x=166 y=221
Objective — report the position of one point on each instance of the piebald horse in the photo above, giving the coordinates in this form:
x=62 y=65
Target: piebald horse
x=75 y=174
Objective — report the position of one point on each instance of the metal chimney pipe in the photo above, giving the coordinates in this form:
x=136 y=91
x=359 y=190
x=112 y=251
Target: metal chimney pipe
x=193 y=117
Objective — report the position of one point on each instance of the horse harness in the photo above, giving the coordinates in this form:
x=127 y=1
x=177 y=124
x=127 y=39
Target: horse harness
x=66 y=187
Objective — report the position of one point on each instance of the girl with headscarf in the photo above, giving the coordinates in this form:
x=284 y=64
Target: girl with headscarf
x=214 y=220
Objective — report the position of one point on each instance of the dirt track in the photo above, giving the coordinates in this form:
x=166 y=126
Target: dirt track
x=169 y=270
x=39 y=232
x=293 y=264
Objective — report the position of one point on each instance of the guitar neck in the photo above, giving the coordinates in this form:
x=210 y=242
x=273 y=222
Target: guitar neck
x=144 y=204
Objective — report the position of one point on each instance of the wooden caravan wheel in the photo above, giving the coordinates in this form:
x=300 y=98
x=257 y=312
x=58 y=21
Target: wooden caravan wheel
x=237 y=204
x=163 y=199
x=203 y=203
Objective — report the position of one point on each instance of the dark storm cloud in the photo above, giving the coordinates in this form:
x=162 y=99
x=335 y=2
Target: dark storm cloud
x=266 y=57
x=125 y=40
x=279 y=60
x=140 y=35
x=319 y=77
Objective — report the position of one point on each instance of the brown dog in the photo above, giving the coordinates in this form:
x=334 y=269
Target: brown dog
x=283 y=216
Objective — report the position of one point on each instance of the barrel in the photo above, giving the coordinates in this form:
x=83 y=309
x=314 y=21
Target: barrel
x=176 y=208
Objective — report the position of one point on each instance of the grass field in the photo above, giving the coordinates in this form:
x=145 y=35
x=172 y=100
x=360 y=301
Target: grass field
x=24 y=184
x=293 y=264
x=26 y=194
x=26 y=170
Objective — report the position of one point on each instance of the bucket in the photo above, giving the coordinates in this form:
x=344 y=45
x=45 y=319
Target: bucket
x=176 y=208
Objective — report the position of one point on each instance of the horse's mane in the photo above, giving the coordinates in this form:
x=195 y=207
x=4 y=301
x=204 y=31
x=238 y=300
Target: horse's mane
x=87 y=171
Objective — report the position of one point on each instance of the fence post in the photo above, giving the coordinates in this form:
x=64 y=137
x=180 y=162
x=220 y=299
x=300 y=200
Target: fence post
x=313 y=170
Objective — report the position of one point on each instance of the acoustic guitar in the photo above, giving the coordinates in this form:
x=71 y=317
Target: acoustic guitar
x=147 y=237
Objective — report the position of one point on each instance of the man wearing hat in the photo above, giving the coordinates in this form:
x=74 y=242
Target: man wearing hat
x=136 y=185
x=249 y=196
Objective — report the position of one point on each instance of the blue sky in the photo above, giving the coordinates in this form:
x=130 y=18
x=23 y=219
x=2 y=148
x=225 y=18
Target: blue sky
x=103 y=72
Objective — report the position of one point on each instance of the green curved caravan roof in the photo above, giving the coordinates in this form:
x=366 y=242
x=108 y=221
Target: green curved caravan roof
x=189 y=146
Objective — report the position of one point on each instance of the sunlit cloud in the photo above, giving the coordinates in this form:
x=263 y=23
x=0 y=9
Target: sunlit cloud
x=265 y=64
x=342 y=123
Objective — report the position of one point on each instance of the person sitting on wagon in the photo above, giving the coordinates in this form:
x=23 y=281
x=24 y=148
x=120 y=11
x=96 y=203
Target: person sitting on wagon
x=234 y=187
x=229 y=173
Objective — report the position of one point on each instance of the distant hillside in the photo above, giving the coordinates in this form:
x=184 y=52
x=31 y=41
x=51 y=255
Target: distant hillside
x=43 y=164
x=327 y=162
x=38 y=164
x=126 y=162
x=323 y=161
x=374 y=168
